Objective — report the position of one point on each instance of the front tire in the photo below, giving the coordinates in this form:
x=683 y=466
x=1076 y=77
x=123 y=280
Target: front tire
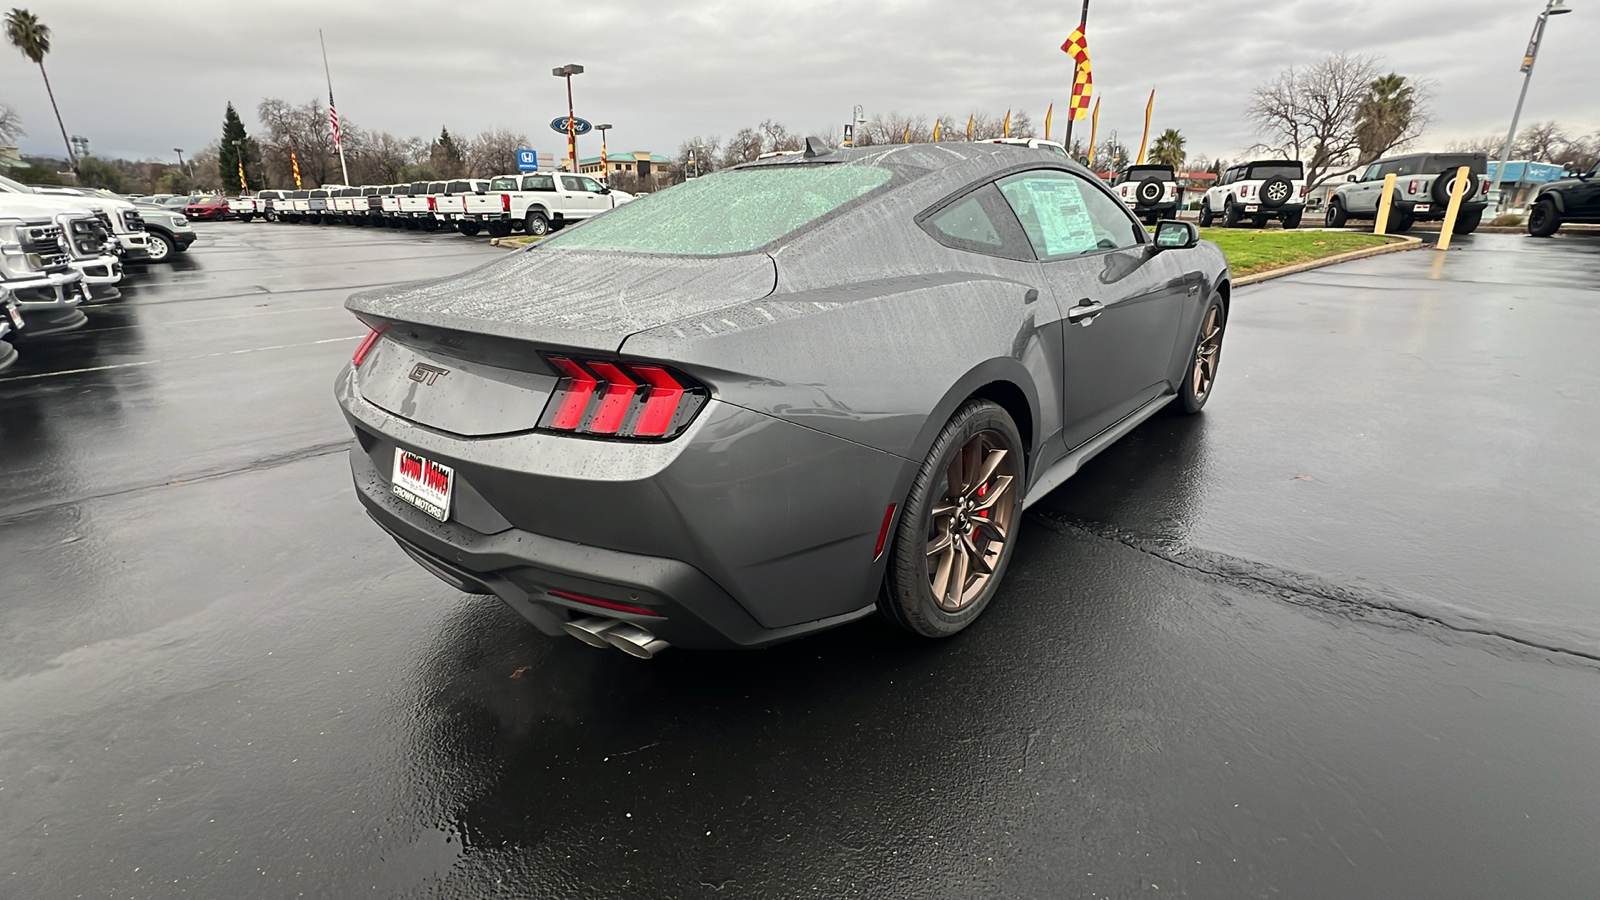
x=1336 y=215
x=1202 y=375
x=536 y=224
x=161 y=247
x=958 y=525
x=1206 y=216
x=1544 y=220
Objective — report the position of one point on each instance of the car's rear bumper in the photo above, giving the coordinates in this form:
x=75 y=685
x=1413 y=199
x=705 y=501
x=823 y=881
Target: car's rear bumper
x=745 y=531
x=1436 y=210
x=1274 y=212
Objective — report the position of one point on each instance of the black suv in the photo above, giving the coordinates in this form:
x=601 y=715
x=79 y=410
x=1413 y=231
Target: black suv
x=1575 y=199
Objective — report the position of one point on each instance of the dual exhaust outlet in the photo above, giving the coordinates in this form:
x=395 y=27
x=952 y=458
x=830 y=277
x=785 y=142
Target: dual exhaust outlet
x=625 y=636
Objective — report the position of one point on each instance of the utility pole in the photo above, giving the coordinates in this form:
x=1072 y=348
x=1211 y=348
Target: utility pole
x=567 y=71
x=1552 y=8
x=1072 y=114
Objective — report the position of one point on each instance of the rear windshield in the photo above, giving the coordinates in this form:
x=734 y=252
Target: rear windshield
x=436 y=187
x=456 y=187
x=1262 y=171
x=1478 y=163
x=734 y=211
x=503 y=184
x=539 y=183
x=1140 y=173
x=419 y=187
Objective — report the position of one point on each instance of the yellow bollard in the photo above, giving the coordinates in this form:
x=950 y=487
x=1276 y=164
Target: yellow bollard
x=1382 y=225
x=1456 y=193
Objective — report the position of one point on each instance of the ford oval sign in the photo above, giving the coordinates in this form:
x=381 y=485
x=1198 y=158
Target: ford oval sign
x=579 y=126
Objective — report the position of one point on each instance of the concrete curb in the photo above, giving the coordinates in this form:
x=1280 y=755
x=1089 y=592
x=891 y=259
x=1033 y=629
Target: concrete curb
x=1400 y=243
x=509 y=243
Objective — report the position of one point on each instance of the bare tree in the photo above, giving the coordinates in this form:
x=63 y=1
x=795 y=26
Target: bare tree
x=1311 y=115
x=303 y=131
x=1540 y=142
x=10 y=124
x=494 y=152
x=701 y=154
x=743 y=147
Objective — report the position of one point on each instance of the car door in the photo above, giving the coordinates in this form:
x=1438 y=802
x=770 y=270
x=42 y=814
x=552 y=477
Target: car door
x=1122 y=303
x=577 y=200
x=1586 y=195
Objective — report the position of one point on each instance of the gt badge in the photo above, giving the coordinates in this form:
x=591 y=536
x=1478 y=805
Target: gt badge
x=426 y=374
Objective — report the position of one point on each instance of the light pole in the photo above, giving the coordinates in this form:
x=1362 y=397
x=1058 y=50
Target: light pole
x=238 y=149
x=605 y=169
x=179 y=151
x=1551 y=8
x=567 y=71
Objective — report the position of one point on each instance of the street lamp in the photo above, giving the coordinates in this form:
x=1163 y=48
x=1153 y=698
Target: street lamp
x=1552 y=8
x=604 y=169
x=567 y=71
x=179 y=151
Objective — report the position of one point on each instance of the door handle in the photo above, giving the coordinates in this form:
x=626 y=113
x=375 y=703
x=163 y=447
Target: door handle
x=1086 y=310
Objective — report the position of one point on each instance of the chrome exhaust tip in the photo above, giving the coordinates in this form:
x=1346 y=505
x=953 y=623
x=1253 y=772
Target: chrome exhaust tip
x=634 y=641
x=592 y=630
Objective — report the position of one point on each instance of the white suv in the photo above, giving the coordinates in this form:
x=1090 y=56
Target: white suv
x=1259 y=191
x=1151 y=192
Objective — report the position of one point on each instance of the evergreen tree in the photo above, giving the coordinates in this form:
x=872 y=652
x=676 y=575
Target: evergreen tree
x=446 y=158
x=234 y=143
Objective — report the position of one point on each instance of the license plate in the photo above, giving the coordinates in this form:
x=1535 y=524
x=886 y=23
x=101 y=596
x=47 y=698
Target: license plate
x=15 y=314
x=423 y=483
x=1422 y=207
x=1250 y=208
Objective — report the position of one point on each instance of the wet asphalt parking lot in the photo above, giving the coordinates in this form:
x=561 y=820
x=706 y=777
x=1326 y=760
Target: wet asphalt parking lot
x=1337 y=637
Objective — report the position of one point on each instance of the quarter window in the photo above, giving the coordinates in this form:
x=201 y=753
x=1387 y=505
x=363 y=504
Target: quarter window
x=980 y=222
x=1064 y=216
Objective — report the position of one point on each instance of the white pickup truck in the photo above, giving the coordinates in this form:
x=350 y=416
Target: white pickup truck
x=536 y=202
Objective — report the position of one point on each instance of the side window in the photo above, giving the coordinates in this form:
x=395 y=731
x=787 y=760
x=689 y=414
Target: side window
x=571 y=183
x=1063 y=215
x=539 y=183
x=978 y=223
x=1372 y=173
x=1387 y=168
x=589 y=184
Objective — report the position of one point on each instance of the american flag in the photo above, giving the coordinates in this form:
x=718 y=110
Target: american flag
x=333 y=118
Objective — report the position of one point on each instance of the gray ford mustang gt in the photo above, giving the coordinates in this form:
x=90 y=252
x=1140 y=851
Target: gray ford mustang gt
x=779 y=398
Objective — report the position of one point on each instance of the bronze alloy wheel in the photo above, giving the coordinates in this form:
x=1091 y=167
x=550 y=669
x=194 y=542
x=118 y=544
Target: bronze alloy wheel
x=969 y=524
x=1206 y=354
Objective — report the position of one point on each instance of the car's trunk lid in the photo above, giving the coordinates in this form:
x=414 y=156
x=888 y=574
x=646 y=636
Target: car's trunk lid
x=584 y=300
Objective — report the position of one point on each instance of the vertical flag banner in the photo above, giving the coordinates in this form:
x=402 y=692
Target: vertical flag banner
x=1094 y=127
x=936 y=131
x=1077 y=47
x=969 y=126
x=242 y=185
x=1145 y=138
x=333 y=118
x=294 y=163
x=1047 y=113
x=1005 y=130
x=906 y=138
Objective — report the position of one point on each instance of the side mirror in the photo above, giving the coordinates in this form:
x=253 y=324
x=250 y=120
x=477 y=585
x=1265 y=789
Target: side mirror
x=1349 y=178
x=1172 y=234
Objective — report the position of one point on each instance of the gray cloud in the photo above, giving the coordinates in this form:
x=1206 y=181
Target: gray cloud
x=139 y=78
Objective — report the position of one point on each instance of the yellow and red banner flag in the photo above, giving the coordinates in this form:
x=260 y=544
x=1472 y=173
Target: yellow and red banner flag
x=294 y=163
x=936 y=131
x=969 y=126
x=1077 y=47
x=1005 y=130
x=1145 y=138
x=1047 y=113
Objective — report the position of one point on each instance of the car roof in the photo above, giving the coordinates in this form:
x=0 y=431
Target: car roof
x=937 y=167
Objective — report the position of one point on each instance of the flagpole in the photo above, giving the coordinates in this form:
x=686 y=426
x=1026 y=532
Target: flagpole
x=339 y=144
x=1083 y=24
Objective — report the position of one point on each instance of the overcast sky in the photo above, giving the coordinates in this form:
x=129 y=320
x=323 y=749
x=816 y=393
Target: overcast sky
x=141 y=78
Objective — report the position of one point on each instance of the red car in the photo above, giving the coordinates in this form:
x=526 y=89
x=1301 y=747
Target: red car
x=215 y=208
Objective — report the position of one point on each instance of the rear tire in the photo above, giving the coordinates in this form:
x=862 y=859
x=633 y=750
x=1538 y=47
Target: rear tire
x=1400 y=223
x=1544 y=219
x=245 y=218
x=1230 y=214
x=1201 y=379
x=1292 y=221
x=1467 y=222
x=1260 y=222
x=967 y=497
x=469 y=227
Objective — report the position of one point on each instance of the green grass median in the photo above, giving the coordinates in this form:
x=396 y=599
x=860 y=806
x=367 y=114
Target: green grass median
x=1249 y=251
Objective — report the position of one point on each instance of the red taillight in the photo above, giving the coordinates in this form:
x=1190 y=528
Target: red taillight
x=662 y=404
x=367 y=343
x=604 y=604
x=505 y=203
x=610 y=398
x=1244 y=190
x=1412 y=187
x=1485 y=187
x=574 y=394
x=433 y=203
x=1302 y=190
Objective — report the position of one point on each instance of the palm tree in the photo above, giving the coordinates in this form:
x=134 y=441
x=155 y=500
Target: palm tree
x=32 y=37
x=1168 y=149
x=1384 y=116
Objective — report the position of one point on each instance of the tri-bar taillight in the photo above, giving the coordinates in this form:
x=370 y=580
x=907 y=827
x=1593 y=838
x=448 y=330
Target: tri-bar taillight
x=616 y=399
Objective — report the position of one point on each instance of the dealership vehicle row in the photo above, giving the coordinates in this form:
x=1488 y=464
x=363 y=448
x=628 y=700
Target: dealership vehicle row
x=62 y=248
